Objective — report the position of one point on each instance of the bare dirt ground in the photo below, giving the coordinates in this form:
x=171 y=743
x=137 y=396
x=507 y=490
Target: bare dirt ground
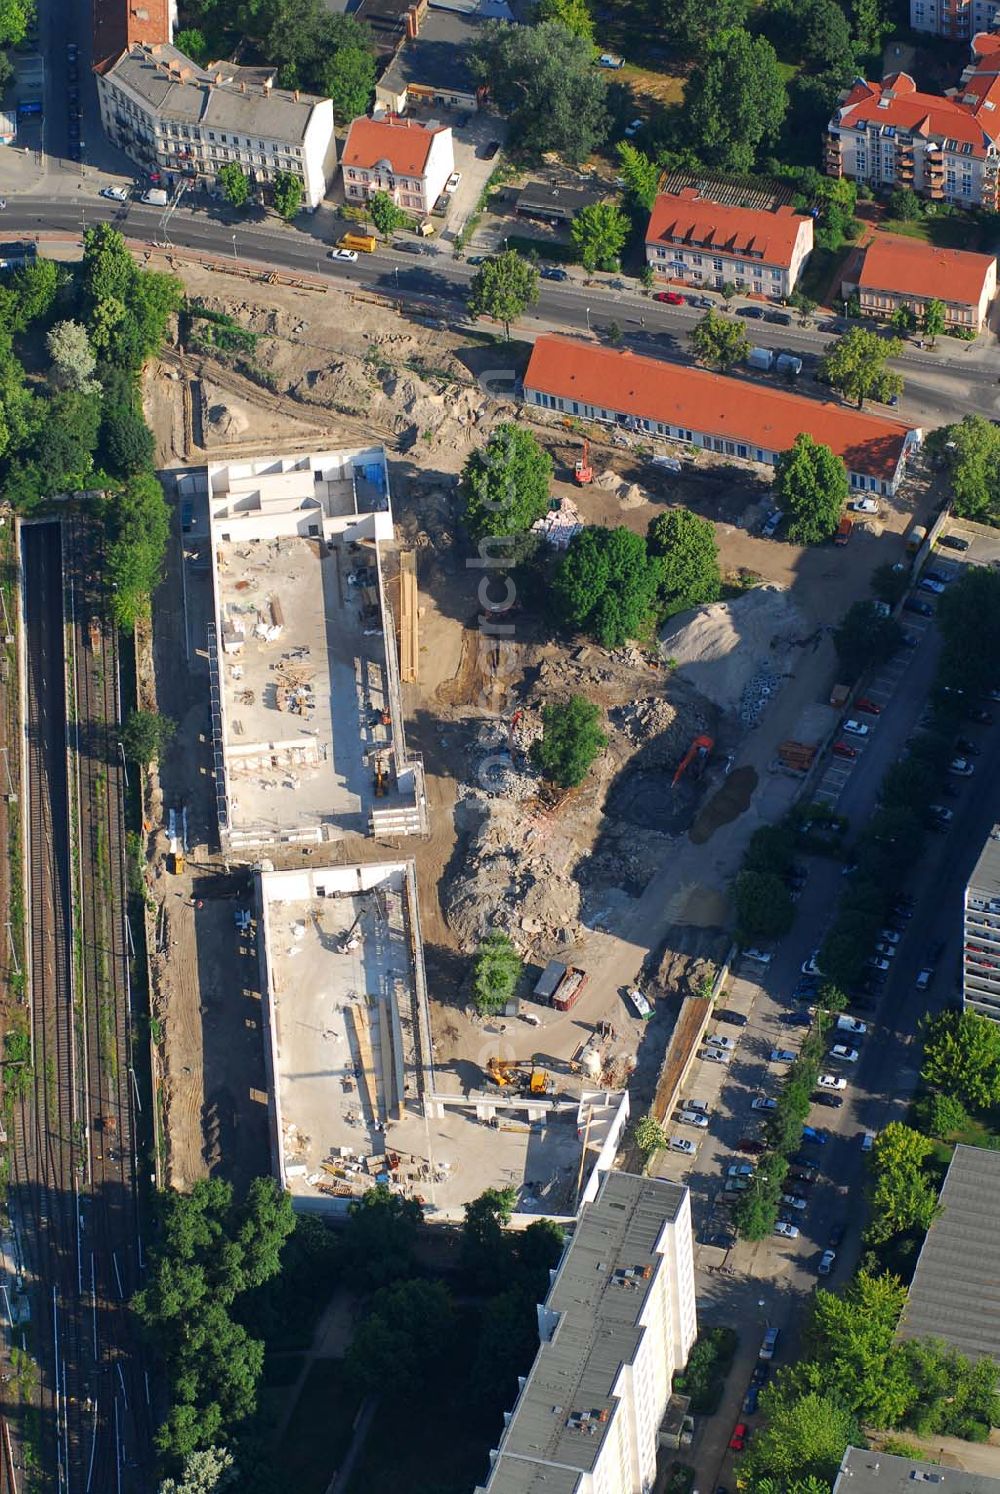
x=500 y=850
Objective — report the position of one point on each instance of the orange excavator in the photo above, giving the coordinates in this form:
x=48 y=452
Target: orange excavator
x=695 y=758
x=583 y=471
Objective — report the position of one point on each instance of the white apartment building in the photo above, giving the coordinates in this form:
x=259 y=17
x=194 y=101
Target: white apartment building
x=170 y=115
x=981 y=933
x=691 y=240
x=618 y=1322
x=409 y=160
x=958 y=20
x=944 y=147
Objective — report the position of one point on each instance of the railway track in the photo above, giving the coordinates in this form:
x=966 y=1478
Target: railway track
x=74 y=1150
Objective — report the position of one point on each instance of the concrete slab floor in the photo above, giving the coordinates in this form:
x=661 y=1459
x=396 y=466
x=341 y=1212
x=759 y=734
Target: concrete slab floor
x=304 y=699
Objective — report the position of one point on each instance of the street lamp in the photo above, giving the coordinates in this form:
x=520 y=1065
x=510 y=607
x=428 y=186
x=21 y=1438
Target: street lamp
x=235 y=256
x=588 y=318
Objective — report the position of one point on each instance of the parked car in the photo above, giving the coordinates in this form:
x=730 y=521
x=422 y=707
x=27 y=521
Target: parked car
x=633 y=128
x=855 y=728
x=831 y=1081
x=453 y=181
x=763 y=1102
x=750 y=1400
x=715 y=1055
x=551 y=272
x=814 y=1134
x=864 y=505
x=741 y=1433
x=721 y=1240
x=844 y=749
x=761 y=1373
x=759 y=956
x=927 y=583
x=944 y=577
x=836 y=1237
x=768 y=1346
x=681 y=1144
x=825 y=1097
x=781 y=1055
x=752 y=313
x=488 y=151
x=803 y=1173
x=844 y=1054
x=348 y=255
x=924 y=978
x=796 y=1019
x=751 y=1146
x=693 y=1118
x=940 y=814
x=778 y=318
x=809 y=966
x=967 y=748
x=921 y=608
x=739 y=1170
x=704 y=303
x=726 y=1014
x=671 y=298
x=878 y=962
x=116 y=194
x=826 y=1261
x=889 y=936
x=961 y=767
x=717 y=1040
x=868 y=705
x=852 y=1024
x=867 y=1140
x=793 y=1201
x=954 y=542
x=772 y=524
x=787 y=1231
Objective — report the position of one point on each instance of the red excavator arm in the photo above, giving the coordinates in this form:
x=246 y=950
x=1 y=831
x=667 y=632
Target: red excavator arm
x=698 y=754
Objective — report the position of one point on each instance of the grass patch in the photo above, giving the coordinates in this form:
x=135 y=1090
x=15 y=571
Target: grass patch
x=544 y=248
x=944 y=231
x=319 y=1432
x=822 y=273
x=663 y=88
x=440 y=1439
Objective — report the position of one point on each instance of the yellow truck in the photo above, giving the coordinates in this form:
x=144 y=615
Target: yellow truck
x=363 y=241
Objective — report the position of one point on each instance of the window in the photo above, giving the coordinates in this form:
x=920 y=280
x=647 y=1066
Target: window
x=717 y=264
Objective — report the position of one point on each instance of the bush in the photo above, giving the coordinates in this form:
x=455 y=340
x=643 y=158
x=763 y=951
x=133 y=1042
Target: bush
x=572 y=739
x=496 y=973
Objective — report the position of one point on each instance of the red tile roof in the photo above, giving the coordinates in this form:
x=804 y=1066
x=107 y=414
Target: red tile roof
x=118 y=25
x=908 y=267
x=897 y=102
x=765 y=234
x=735 y=409
x=404 y=143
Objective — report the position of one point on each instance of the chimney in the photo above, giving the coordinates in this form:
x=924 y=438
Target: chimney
x=412 y=22
x=243 y=86
x=268 y=85
x=296 y=95
x=218 y=79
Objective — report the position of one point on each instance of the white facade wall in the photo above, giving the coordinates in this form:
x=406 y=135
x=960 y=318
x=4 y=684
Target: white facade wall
x=713 y=267
x=418 y=194
x=959 y=19
x=867 y=154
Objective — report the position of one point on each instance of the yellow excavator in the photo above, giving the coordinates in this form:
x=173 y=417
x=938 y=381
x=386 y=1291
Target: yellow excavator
x=505 y=1073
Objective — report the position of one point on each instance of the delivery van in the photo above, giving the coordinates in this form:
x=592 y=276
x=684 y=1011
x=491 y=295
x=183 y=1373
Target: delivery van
x=364 y=241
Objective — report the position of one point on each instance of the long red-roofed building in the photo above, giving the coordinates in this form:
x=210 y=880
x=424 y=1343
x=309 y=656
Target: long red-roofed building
x=697 y=241
x=736 y=417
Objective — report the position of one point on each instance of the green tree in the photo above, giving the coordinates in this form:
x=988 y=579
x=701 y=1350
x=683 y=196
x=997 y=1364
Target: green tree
x=138 y=527
x=771 y=849
x=905 y=205
x=15 y=17
x=382 y=1235
x=962 y=1057
x=692 y=24
x=640 y=174
x=234 y=183
x=933 y=321
x=496 y=971
x=503 y=288
x=903 y=319
x=864 y=639
x=969 y=620
x=405 y=1334
x=126 y=441
x=571 y=739
x=851 y=1346
x=207 y=1472
x=890 y=583
x=287 y=194
x=685 y=545
x=191 y=41
x=720 y=341
x=972 y=450
x=125 y=309
x=902 y=1195
x=573 y=14
x=649 y=1135
x=146 y=735
x=505 y=484
x=36 y=286
x=487 y=1250
x=823 y=35
x=764 y=908
x=348 y=79
x=735 y=100
x=756 y=1211
x=386 y=216
x=811 y=485
x=606 y=584
x=73 y=360
x=943 y=1116
x=599 y=232
x=544 y=80
x=804 y=1436
x=856 y=365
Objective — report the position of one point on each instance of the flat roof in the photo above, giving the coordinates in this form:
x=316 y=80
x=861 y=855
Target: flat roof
x=566 y=1408
x=175 y=88
x=955 y=1291
x=436 y=57
x=867 y=1471
x=557 y=197
x=985 y=877
x=306 y=715
x=908 y=267
x=692 y=398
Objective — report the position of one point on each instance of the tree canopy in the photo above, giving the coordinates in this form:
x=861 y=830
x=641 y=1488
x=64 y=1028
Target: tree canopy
x=544 y=80
x=720 y=341
x=811 y=485
x=15 y=16
x=856 y=365
x=606 y=584
x=969 y=620
x=382 y=1235
x=235 y=184
x=764 y=907
x=685 y=545
x=145 y=735
x=496 y=971
x=903 y=1196
x=386 y=216
x=573 y=14
x=505 y=484
x=571 y=739
x=735 y=100
x=404 y=1335
x=640 y=174
x=972 y=451
x=287 y=194
x=599 y=231
x=962 y=1057
x=864 y=639
x=503 y=288
x=804 y=1436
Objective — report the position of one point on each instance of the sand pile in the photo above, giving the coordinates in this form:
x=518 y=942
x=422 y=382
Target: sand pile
x=737 y=653
x=225 y=422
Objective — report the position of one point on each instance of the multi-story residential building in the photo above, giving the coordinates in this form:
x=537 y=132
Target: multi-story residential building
x=430 y=67
x=897 y=271
x=618 y=1322
x=958 y=20
x=981 y=933
x=738 y=418
x=943 y=147
x=410 y=161
x=699 y=242
x=170 y=115
x=872 y=1470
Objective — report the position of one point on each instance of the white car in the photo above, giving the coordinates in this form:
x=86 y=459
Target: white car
x=348 y=256
x=718 y=1041
x=831 y=1081
x=701 y=1106
x=791 y=1202
x=855 y=728
x=826 y=1261
x=887 y=951
x=810 y=967
x=961 y=767
x=928 y=583
x=941 y=813
x=763 y=1102
x=844 y=1053
x=889 y=936
x=924 y=978
x=864 y=506
x=715 y=1055
x=692 y=1118
x=761 y=956
x=116 y=194
x=852 y=1024
x=453 y=181
x=633 y=128
x=877 y=962
x=681 y=1144
x=787 y=1231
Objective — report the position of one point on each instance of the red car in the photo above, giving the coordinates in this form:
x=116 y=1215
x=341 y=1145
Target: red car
x=864 y=704
x=671 y=298
x=844 y=749
x=738 y=1440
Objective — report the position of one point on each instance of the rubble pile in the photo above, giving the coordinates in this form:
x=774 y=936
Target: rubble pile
x=731 y=651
